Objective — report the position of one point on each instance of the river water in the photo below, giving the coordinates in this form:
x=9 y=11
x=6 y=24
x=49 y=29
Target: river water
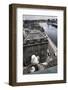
x=51 y=31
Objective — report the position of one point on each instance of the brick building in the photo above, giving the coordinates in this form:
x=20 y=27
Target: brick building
x=35 y=42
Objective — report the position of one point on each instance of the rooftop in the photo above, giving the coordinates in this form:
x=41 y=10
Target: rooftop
x=34 y=35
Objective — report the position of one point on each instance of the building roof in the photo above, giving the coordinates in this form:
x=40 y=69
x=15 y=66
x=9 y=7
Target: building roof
x=34 y=34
